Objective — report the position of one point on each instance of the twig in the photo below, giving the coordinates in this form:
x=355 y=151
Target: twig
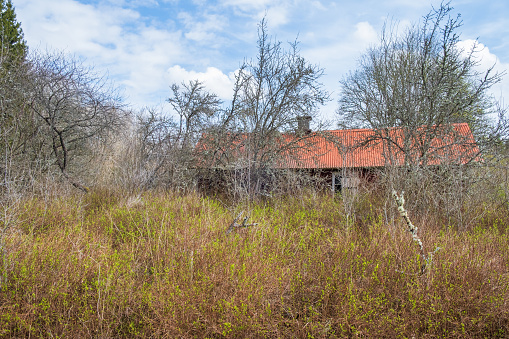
x=235 y=225
x=234 y=222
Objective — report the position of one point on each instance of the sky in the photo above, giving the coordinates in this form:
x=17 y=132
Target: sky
x=144 y=46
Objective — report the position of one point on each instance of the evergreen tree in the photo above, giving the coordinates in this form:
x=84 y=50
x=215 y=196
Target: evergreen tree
x=11 y=33
x=17 y=127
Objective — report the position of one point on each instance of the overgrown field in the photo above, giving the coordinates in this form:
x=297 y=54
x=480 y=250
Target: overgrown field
x=161 y=265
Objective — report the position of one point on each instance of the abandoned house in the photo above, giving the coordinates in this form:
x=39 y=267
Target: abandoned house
x=345 y=157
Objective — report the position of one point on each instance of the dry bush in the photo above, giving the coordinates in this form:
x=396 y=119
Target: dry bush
x=460 y=196
x=161 y=265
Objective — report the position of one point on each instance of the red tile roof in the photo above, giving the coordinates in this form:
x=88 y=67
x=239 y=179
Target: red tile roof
x=340 y=148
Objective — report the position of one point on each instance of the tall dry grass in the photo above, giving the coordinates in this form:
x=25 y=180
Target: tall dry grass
x=161 y=265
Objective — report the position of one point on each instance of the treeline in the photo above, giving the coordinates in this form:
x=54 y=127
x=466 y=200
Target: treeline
x=63 y=122
x=63 y=125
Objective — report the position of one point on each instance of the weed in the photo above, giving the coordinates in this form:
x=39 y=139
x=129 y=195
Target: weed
x=162 y=266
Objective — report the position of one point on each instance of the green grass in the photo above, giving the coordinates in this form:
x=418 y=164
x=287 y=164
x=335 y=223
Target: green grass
x=162 y=266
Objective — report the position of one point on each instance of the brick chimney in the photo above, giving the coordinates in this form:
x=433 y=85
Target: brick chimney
x=303 y=124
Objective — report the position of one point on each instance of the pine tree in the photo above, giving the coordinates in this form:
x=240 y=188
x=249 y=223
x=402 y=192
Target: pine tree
x=11 y=34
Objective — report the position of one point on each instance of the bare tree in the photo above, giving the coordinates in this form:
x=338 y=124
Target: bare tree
x=195 y=108
x=161 y=146
x=75 y=106
x=270 y=94
x=22 y=143
x=421 y=82
x=411 y=89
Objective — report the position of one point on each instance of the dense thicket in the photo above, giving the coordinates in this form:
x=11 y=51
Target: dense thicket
x=162 y=265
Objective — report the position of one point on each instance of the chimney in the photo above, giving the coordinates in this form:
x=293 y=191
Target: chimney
x=303 y=124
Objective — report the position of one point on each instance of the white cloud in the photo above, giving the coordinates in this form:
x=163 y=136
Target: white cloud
x=277 y=13
x=248 y=5
x=132 y=3
x=483 y=55
x=71 y=25
x=140 y=42
x=338 y=56
x=203 y=31
x=486 y=59
x=213 y=79
x=318 y=5
x=113 y=39
x=364 y=34
x=276 y=16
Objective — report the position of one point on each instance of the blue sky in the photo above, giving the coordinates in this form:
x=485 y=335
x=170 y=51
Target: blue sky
x=146 y=45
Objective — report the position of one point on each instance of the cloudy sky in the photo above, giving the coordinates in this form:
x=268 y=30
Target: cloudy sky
x=146 y=45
